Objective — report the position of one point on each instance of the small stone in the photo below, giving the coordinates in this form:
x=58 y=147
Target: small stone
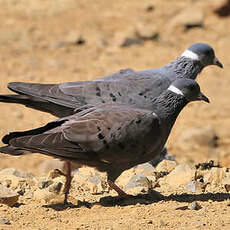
x=194 y=206
x=56 y=187
x=4 y=220
x=147 y=170
x=8 y=196
x=195 y=187
x=162 y=223
x=75 y=38
x=199 y=223
x=138 y=180
x=166 y=166
x=188 y=18
x=147 y=32
x=221 y=7
x=46 y=196
x=127 y=38
x=16 y=172
x=181 y=207
x=150 y=222
x=181 y=175
x=44 y=184
x=215 y=175
x=55 y=173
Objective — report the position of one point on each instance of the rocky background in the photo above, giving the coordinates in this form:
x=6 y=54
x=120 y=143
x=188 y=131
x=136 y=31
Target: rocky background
x=56 y=41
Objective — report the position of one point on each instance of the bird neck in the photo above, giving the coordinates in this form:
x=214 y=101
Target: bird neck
x=168 y=106
x=185 y=67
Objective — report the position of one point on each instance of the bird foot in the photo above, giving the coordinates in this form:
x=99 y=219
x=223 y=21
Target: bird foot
x=120 y=192
x=68 y=181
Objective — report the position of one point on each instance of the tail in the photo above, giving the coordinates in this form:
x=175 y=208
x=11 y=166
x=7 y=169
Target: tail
x=12 y=98
x=38 y=104
x=12 y=150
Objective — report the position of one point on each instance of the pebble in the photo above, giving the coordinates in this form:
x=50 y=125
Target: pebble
x=44 y=183
x=181 y=207
x=215 y=175
x=16 y=172
x=166 y=166
x=127 y=38
x=221 y=7
x=195 y=187
x=194 y=206
x=188 y=18
x=181 y=175
x=8 y=196
x=138 y=180
x=147 y=32
x=56 y=187
x=4 y=220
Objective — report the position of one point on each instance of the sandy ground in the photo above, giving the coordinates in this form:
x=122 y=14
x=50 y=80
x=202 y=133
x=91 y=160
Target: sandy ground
x=37 y=45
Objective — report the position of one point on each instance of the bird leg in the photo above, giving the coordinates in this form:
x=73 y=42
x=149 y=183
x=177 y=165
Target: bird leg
x=68 y=180
x=121 y=193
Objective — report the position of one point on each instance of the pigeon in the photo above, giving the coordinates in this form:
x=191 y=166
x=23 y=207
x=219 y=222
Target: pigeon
x=126 y=86
x=111 y=137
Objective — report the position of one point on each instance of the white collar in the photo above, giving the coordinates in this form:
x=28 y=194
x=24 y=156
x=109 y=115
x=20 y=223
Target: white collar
x=175 y=90
x=190 y=54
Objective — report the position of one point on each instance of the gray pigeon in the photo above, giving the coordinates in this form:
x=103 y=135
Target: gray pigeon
x=126 y=87
x=111 y=137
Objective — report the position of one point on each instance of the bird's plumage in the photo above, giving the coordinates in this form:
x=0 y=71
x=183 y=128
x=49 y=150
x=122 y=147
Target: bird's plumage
x=126 y=86
x=111 y=137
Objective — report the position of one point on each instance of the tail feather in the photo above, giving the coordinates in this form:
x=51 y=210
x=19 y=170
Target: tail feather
x=12 y=150
x=12 y=98
x=38 y=104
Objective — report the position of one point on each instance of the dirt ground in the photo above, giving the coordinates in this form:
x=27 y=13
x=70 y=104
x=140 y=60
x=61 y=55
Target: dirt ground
x=73 y=40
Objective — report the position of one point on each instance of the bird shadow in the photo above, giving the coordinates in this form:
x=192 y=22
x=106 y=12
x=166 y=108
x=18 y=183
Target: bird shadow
x=151 y=197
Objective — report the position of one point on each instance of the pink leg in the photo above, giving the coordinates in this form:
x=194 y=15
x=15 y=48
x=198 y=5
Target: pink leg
x=68 y=180
x=121 y=193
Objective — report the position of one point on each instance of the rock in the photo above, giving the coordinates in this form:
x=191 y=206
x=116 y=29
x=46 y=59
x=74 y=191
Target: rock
x=147 y=32
x=194 y=206
x=8 y=196
x=44 y=183
x=145 y=169
x=44 y=195
x=75 y=38
x=127 y=38
x=187 y=19
x=221 y=7
x=54 y=174
x=181 y=175
x=215 y=176
x=181 y=207
x=93 y=183
x=195 y=187
x=16 y=172
x=166 y=166
x=138 y=183
x=56 y=187
x=4 y=220
x=226 y=181
x=196 y=137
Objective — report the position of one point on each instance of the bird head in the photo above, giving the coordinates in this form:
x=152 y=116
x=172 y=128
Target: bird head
x=203 y=53
x=189 y=89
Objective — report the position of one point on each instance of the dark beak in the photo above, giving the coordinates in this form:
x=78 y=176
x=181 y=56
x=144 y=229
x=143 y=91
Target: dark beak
x=217 y=62
x=202 y=97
